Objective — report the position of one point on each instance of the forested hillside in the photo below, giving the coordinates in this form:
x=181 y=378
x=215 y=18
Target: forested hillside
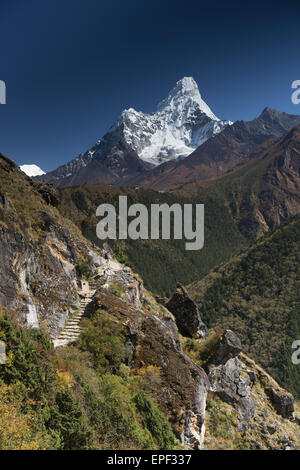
x=161 y=263
x=258 y=295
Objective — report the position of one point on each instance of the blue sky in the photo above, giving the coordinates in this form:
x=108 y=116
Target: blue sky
x=72 y=66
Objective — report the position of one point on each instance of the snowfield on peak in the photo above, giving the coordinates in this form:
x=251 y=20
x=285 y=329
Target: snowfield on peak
x=182 y=122
x=139 y=141
x=32 y=170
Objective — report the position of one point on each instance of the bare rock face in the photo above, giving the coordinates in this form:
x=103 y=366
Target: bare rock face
x=43 y=277
x=186 y=314
x=231 y=383
x=255 y=398
x=38 y=253
x=182 y=385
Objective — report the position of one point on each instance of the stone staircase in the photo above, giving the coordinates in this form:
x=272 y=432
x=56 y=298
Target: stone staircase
x=71 y=331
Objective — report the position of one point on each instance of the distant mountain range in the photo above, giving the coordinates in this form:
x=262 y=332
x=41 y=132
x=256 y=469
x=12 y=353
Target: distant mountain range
x=183 y=141
x=138 y=142
x=240 y=206
x=226 y=151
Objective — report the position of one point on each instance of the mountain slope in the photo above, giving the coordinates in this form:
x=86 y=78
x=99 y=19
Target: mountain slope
x=129 y=380
x=257 y=294
x=139 y=141
x=239 y=207
x=221 y=154
x=161 y=263
x=263 y=192
x=37 y=244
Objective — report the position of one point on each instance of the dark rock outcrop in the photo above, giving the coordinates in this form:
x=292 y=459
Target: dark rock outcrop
x=49 y=194
x=186 y=314
x=3 y=200
x=282 y=401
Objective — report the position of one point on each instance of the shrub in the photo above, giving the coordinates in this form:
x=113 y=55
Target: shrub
x=155 y=421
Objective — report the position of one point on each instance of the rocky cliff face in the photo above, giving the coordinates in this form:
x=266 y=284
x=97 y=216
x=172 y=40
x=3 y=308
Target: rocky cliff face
x=180 y=386
x=39 y=252
x=194 y=397
x=246 y=408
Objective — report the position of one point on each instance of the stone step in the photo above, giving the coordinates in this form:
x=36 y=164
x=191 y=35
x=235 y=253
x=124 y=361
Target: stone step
x=71 y=324
x=74 y=329
x=68 y=337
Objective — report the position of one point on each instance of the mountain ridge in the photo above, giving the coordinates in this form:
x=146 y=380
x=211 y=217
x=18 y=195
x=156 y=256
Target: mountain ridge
x=223 y=153
x=257 y=293
x=181 y=123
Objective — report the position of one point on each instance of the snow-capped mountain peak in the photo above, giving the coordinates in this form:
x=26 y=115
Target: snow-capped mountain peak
x=138 y=140
x=182 y=122
x=32 y=170
x=186 y=92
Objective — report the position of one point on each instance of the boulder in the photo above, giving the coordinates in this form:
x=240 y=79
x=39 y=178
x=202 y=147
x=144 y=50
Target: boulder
x=49 y=194
x=229 y=346
x=227 y=381
x=95 y=259
x=282 y=401
x=246 y=407
x=186 y=314
x=3 y=200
